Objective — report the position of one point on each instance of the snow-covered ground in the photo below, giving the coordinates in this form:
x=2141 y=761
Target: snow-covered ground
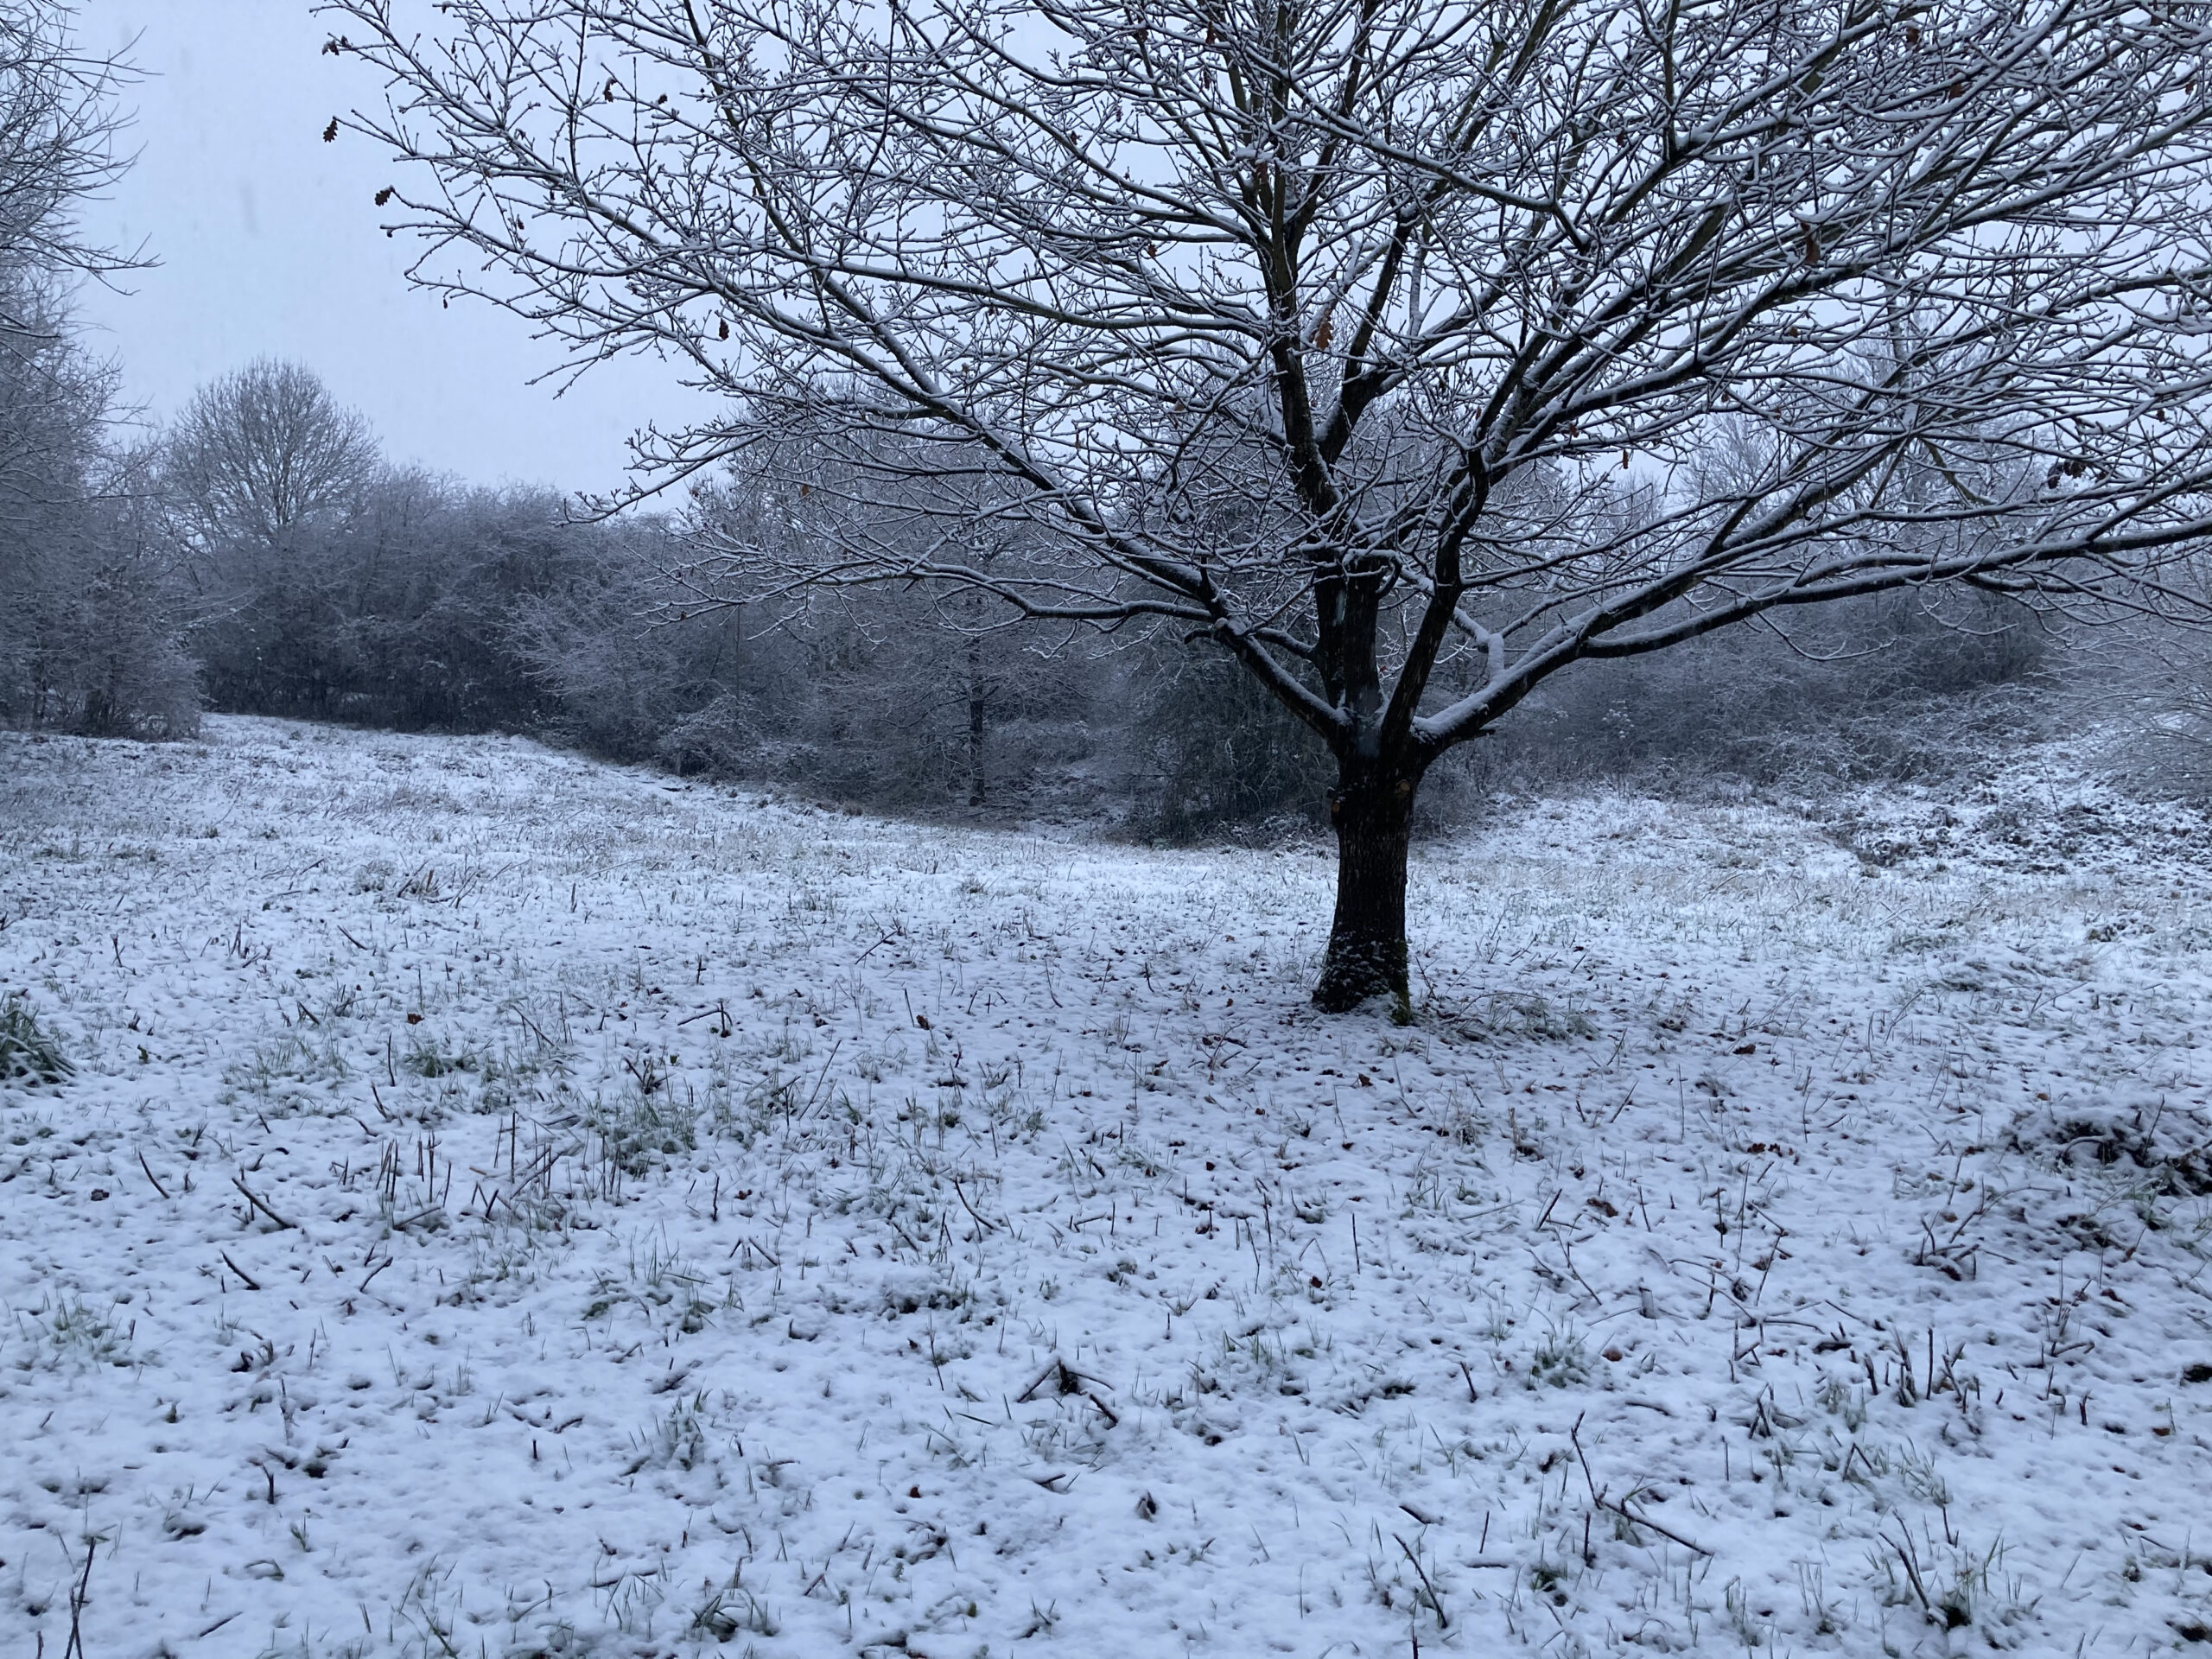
x=508 y=1205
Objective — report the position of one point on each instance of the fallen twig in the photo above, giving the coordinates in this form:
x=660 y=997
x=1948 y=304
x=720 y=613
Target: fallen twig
x=986 y=1225
x=1634 y=1520
x=896 y=932
x=804 y=1110
x=1909 y=1558
x=261 y=1204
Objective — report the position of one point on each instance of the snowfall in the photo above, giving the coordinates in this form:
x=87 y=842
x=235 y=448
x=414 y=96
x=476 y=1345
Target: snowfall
x=502 y=1203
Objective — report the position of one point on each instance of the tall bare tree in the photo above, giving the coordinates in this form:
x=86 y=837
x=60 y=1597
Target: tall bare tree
x=266 y=453
x=262 y=473
x=1411 y=350
x=58 y=131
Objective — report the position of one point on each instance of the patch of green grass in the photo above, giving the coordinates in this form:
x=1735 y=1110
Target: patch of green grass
x=428 y=1060
x=647 y=1126
x=28 y=1054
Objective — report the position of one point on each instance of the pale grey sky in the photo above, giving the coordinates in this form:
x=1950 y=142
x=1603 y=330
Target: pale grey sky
x=269 y=247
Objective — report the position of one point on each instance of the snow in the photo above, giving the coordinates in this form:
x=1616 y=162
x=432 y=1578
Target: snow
x=511 y=1205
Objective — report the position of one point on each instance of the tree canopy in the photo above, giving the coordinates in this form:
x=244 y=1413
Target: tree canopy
x=1410 y=350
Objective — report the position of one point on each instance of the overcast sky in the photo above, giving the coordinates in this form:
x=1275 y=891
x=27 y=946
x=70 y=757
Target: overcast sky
x=269 y=247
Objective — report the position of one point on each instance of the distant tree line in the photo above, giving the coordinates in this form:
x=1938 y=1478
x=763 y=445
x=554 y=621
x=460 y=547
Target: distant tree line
x=261 y=555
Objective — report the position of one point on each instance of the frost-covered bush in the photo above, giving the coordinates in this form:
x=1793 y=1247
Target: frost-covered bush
x=1895 y=688
x=1206 y=749
x=92 y=629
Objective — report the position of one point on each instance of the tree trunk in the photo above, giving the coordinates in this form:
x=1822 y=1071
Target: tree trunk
x=1372 y=811
x=977 y=693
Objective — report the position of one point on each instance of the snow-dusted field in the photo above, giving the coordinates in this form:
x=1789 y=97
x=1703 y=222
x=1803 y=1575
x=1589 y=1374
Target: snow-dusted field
x=507 y=1205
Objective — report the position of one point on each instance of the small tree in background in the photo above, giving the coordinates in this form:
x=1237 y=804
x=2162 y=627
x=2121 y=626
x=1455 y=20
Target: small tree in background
x=265 y=456
x=1410 y=351
x=261 y=471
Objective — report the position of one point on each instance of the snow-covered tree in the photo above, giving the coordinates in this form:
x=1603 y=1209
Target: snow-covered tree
x=89 y=620
x=263 y=455
x=1411 y=351
x=261 y=471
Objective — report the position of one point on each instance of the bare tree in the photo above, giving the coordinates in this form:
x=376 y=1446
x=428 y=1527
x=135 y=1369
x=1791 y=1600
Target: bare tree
x=57 y=127
x=90 y=630
x=266 y=452
x=1411 y=350
x=262 y=473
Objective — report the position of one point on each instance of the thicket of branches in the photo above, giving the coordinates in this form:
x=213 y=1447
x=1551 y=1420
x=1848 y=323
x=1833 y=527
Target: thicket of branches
x=874 y=701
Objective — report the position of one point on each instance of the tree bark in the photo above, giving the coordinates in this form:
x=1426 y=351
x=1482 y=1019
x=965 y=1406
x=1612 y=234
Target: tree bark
x=1372 y=811
x=977 y=693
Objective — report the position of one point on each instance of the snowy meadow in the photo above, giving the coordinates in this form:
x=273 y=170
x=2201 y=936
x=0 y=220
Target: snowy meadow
x=504 y=1204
